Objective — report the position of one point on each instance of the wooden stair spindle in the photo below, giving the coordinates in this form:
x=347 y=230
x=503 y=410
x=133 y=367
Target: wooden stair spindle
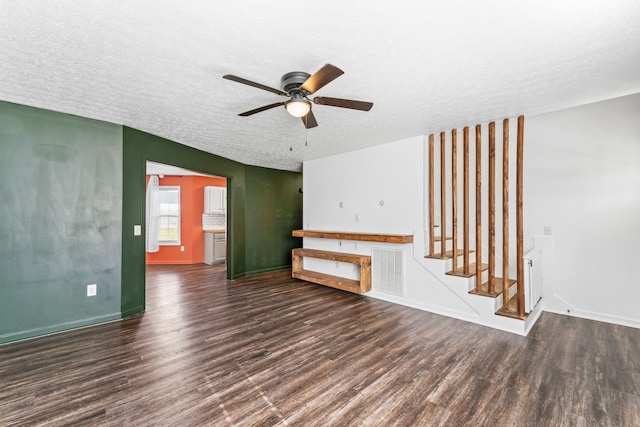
x=443 y=198
x=454 y=197
x=519 y=215
x=505 y=210
x=492 y=207
x=465 y=200
x=512 y=306
x=431 y=198
x=478 y=208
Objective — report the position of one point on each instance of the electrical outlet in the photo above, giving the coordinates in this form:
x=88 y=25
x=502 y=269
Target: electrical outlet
x=137 y=230
x=92 y=290
x=547 y=230
x=181 y=248
x=357 y=217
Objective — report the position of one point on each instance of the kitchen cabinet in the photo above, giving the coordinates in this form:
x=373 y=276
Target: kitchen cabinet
x=219 y=247
x=215 y=246
x=215 y=199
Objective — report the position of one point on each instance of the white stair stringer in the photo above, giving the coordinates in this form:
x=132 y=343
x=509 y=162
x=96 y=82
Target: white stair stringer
x=485 y=307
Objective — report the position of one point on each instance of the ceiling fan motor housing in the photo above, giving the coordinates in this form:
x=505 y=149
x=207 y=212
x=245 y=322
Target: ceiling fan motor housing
x=293 y=80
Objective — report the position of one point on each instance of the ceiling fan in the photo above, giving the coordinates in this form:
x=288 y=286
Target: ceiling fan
x=297 y=86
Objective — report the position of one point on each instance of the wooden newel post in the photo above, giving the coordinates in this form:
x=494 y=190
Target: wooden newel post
x=519 y=216
x=505 y=213
x=443 y=199
x=492 y=207
x=431 y=199
x=465 y=201
x=478 y=208
x=454 y=198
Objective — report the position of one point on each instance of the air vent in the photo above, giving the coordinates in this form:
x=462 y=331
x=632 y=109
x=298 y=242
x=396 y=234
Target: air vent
x=387 y=271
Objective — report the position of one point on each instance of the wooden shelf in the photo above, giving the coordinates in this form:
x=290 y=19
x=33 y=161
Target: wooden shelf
x=337 y=282
x=363 y=237
x=333 y=256
x=358 y=286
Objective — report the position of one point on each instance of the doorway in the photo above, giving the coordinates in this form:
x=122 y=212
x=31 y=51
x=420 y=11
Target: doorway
x=181 y=226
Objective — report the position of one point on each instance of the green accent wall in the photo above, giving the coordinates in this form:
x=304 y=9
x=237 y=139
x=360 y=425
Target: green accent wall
x=257 y=220
x=273 y=208
x=72 y=190
x=60 y=228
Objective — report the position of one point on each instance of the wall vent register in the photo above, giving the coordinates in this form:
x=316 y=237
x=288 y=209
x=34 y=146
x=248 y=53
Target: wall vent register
x=387 y=271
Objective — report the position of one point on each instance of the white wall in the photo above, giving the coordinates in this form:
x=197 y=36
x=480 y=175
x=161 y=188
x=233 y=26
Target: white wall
x=394 y=174
x=391 y=173
x=582 y=178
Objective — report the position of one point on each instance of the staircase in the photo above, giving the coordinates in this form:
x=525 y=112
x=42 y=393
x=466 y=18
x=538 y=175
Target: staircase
x=455 y=248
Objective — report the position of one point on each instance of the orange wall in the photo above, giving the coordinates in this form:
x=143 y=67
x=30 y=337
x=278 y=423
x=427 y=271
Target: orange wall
x=192 y=206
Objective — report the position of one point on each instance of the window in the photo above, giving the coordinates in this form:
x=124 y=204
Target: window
x=169 y=215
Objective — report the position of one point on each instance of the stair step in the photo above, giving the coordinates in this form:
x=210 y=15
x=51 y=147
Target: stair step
x=439 y=238
x=499 y=286
x=447 y=255
x=472 y=270
x=512 y=309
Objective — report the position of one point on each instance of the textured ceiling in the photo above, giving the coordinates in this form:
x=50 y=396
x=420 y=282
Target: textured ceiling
x=426 y=65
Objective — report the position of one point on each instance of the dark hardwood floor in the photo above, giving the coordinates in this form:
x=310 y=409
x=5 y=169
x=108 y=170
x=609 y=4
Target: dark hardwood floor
x=271 y=350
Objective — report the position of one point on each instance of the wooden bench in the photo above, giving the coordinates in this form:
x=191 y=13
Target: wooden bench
x=357 y=286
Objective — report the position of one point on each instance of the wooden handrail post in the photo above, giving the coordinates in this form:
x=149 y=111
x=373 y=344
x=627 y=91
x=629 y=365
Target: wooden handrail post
x=454 y=197
x=505 y=212
x=443 y=199
x=431 y=199
x=519 y=216
x=478 y=208
x=492 y=206
x=465 y=201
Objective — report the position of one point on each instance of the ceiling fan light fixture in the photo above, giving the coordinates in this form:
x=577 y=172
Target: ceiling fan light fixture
x=297 y=86
x=298 y=107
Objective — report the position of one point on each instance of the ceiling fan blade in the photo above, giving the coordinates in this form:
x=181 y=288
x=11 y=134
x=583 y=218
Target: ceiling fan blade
x=309 y=120
x=344 y=103
x=258 y=110
x=254 y=84
x=322 y=77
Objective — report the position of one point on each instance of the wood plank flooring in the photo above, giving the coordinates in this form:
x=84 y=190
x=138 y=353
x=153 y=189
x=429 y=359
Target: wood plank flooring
x=271 y=350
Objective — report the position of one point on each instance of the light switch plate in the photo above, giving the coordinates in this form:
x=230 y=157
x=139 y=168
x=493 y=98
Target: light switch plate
x=137 y=230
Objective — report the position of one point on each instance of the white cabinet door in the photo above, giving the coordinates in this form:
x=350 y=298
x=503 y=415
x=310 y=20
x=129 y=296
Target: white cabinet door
x=209 y=248
x=215 y=199
x=220 y=249
x=220 y=203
